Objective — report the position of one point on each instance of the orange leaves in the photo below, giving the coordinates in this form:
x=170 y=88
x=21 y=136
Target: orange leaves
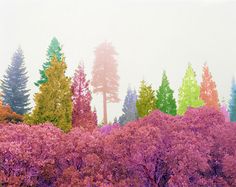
x=7 y=115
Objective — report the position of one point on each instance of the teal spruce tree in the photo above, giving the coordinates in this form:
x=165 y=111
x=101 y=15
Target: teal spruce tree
x=53 y=50
x=232 y=103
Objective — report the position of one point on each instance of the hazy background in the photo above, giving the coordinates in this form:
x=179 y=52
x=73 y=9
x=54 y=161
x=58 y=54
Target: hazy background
x=149 y=36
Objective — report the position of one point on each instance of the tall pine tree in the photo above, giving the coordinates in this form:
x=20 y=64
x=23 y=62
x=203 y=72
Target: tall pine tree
x=165 y=100
x=53 y=103
x=105 y=77
x=129 y=107
x=53 y=50
x=208 y=91
x=189 y=92
x=146 y=101
x=232 y=103
x=82 y=115
x=14 y=85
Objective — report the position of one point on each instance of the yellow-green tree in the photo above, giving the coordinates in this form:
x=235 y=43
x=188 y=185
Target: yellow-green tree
x=53 y=102
x=146 y=101
x=189 y=92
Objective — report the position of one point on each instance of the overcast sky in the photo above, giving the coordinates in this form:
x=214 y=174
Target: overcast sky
x=149 y=35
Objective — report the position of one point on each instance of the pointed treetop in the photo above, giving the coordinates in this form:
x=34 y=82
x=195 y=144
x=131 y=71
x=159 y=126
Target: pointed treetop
x=189 y=92
x=165 y=100
x=146 y=101
x=208 y=92
x=54 y=49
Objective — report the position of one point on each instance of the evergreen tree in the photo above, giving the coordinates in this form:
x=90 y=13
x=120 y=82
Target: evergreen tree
x=82 y=115
x=165 y=100
x=208 y=91
x=53 y=50
x=146 y=101
x=129 y=107
x=232 y=103
x=189 y=92
x=105 y=77
x=14 y=85
x=53 y=102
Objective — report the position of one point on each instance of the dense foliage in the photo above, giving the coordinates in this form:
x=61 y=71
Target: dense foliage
x=189 y=92
x=208 y=91
x=197 y=149
x=54 y=50
x=14 y=85
x=53 y=102
x=129 y=109
x=165 y=99
x=146 y=101
x=7 y=115
x=82 y=115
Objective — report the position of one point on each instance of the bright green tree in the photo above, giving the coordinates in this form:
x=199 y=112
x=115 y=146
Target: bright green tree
x=165 y=100
x=189 y=92
x=54 y=49
x=53 y=102
x=146 y=101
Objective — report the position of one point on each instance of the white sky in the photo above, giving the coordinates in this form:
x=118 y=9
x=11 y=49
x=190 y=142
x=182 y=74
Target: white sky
x=148 y=35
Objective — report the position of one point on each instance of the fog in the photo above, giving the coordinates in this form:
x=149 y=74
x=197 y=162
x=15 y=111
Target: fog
x=149 y=37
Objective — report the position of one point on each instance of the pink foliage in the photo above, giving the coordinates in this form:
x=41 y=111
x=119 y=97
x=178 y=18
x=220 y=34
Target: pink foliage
x=225 y=112
x=197 y=149
x=82 y=115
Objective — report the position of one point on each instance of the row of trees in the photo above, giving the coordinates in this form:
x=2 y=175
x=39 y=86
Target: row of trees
x=60 y=100
x=190 y=95
x=66 y=102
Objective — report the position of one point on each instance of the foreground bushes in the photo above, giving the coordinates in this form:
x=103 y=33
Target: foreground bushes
x=197 y=149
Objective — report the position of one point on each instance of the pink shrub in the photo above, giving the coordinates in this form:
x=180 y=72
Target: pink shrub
x=197 y=149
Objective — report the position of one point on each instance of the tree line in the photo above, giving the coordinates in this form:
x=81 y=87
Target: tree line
x=66 y=102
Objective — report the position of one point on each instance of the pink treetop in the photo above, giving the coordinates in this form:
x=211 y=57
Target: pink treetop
x=82 y=115
x=225 y=112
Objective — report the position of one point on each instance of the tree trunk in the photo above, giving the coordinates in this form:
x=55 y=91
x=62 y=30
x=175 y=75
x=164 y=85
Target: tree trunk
x=104 y=108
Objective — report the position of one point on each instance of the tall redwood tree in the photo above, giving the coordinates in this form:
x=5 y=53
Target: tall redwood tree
x=82 y=115
x=208 y=91
x=105 y=77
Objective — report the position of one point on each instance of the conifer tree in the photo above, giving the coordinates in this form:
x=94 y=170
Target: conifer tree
x=189 y=92
x=14 y=85
x=146 y=101
x=53 y=103
x=208 y=91
x=165 y=100
x=232 y=103
x=53 y=50
x=129 y=107
x=82 y=115
x=105 y=77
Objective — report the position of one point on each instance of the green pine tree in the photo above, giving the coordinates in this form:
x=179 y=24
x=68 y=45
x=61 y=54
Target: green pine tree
x=165 y=100
x=189 y=92
x=53 y=50
x=146 y=101
x=53 y=102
